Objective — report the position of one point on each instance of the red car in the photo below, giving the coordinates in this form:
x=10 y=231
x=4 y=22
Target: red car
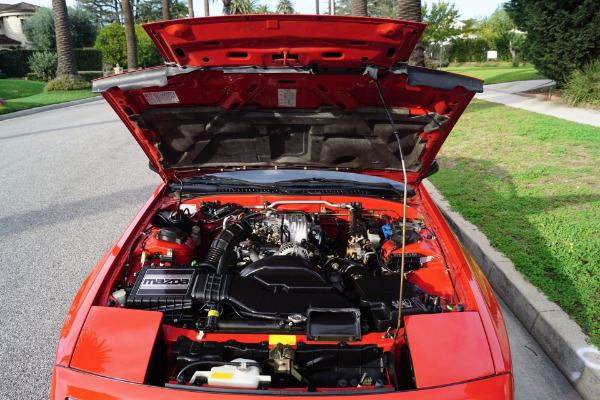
x=291 y=250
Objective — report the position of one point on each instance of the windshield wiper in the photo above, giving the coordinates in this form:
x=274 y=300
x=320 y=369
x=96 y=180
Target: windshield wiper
x=221 y=180
x=323 y=182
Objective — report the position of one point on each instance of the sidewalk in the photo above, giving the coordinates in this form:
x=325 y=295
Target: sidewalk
x=504 y=93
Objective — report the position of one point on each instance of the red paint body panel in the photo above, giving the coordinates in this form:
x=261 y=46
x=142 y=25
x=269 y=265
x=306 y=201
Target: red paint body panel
x=448 y=348
x=326 y=41
x=96 y=283
x=82 y=386
x=480 y=290
x=117 y=343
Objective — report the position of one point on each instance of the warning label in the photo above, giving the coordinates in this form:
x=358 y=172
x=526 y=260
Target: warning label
x=154 y=98
x=286 y=97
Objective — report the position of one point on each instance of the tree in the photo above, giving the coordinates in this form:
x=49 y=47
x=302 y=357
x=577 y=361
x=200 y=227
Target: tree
x=375 y=8
x=190 y=8
x=151 y=11
x=359 y=8
x=410 y=10
x=262 y=9
x=562 y=35
x=39 y=29
x=500 y=32
x=285 y=7
x=67 y=68
x=103 y=12
x=147 y=54
x=242 y=6
x=226 y=7
x=111 y=42
x=206 y=8
x=440 y=23
x=166 y=15
x=129 y=36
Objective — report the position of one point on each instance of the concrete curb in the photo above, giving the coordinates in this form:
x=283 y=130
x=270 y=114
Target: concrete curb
x=36 y=110
x=560 y=337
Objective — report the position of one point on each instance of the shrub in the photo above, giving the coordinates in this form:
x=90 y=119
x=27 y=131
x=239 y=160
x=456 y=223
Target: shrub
x=43 y=65
x=111 y=42
x=562 y=36
x=39 y=29
x=584 y=86
x=14 y=63
x=88 y=59
x=88 y=76
x=65 y=84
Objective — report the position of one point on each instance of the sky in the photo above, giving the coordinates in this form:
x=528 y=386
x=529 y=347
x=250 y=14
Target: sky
x=467 y=8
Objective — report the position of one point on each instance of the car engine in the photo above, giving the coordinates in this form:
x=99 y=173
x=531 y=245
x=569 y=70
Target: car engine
x=299 y=267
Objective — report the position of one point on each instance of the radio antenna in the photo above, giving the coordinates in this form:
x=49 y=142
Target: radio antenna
x=372 y=72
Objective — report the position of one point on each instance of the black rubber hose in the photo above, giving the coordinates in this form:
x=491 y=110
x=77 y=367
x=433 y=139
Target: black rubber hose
x=224 y=262
x=226 y=240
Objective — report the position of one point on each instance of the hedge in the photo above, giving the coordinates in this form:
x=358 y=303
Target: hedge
x=14 y=62
x=474 y=50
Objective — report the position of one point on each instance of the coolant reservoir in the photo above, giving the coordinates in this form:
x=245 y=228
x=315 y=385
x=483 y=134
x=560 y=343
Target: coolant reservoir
x=239 y=376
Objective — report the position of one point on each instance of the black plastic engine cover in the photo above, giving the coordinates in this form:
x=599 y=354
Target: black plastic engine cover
x=251 y=295
x=167 y=290
x=379 y=295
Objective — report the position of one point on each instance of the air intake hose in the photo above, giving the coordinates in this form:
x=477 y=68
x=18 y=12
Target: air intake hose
x=225 y=241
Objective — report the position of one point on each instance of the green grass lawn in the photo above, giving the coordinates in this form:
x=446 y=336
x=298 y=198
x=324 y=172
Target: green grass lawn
x=531 y=183
x=497 y=73
x=21 y=95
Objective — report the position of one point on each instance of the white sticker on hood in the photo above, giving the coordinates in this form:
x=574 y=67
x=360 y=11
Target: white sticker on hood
x=286 y=97
x=168 y=97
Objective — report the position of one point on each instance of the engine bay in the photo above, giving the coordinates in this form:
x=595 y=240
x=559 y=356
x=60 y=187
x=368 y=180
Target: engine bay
x=317 y=276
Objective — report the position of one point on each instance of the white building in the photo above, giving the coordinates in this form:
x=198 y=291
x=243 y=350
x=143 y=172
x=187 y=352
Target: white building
x=11 y=25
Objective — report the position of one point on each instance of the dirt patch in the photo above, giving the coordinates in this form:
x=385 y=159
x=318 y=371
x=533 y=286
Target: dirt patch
x=555 y=96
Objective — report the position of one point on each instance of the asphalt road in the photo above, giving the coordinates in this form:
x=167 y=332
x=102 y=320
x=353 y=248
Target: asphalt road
x=72 y=181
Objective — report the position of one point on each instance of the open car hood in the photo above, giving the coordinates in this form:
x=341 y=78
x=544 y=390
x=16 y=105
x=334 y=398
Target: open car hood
x=288 y=91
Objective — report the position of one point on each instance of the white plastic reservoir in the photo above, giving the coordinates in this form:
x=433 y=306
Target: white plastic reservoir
x=239 y=376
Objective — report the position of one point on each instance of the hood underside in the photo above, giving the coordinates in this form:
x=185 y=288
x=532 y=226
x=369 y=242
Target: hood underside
x=307 y=111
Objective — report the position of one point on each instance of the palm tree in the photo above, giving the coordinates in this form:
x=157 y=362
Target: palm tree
x=285 y=7
x=410 y=10
x=242 y=6
x=359 y=8
x=190 y=8
x=165 y=10
x=129 y=35
x=226 y=7
x=262 y=9
x=64 y=42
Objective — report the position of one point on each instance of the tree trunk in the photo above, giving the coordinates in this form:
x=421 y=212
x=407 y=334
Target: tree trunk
x=513 y=53
x=206 y=10
x=117 y=14
x=130 y=36
x=410 y=10
x=359 y=8
x=227 y=7
x=190 y=8
x=317 y=7
x=165 y=10
x=64 y=42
